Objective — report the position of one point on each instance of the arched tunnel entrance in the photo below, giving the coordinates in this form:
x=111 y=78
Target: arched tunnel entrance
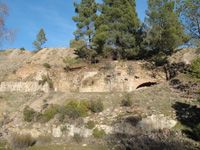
x=146 y=84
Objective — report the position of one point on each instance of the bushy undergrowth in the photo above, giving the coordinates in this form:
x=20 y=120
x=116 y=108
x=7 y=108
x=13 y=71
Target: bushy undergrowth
x=90 y=124
x=126 y=101
x=72 y=109
x=75 y=110
x=98 y=133
x=96 y=106
x=195 y=66
x=46 y=79
x=21 y=141
x=46 y=65
x=28 y=114
x=71 y=61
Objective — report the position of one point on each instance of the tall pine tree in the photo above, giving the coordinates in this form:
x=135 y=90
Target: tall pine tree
x=190 y=10
x=165 y=31
x=86 y=15
x=116 y=28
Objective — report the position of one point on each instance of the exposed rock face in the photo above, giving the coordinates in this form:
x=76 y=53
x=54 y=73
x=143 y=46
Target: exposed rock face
x=106 y=77
x=120 y=77
x=184 y=55
x=22 y=87
x=156 y=122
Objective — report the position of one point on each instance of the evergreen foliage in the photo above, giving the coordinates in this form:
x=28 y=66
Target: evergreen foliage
x=40 y=40
x=116 y=29
x=190 y=10
x=164 y=32
x=86 y=15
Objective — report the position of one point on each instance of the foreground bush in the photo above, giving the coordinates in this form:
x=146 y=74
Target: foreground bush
x=21 y=141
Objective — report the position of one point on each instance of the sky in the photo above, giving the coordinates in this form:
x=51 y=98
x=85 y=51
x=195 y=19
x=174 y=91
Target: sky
x=54 y=16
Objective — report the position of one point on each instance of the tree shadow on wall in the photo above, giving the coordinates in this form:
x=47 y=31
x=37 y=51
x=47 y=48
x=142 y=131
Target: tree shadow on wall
x=189 y=116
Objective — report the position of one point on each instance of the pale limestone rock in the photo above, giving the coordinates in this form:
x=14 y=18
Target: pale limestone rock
x=157 y=122
x=23 y=87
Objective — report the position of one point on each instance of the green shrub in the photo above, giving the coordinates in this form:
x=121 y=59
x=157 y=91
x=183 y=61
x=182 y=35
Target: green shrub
x=75 y=110
x=83 y=109
x=77 y=138
x=195 y=67
x=21 y=141
x=63 y=129
x=126 y=101
x=22 y=48
x=55 y=107
x=85 y=103
x=72 y=109
x=90 y=124
x=28 y=114
x=39 y=116
x=98 y=133
x=96 y=106
x=43 y=81
x=71 y=61
x=62 y=112
x=49 y=114
x=46 y=65
x=196 y=132
x=50 y=84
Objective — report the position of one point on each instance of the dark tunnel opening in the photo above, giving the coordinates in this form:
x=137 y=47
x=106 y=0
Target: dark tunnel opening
x=146 y=84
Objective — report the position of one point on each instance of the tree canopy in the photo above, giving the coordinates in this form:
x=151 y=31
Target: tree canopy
x=40 y=39
x=190 y=10
x=165 y=31
x=117 y=32
x=116 y=27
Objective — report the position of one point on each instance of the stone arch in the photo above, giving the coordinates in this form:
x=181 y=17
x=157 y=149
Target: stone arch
x=146 y=84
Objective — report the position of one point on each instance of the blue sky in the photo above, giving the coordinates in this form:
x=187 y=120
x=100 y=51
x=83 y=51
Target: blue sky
x=54 y=16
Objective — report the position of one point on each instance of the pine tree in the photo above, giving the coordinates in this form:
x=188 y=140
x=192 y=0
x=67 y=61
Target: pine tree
x=190 y=10
x=86 y=15
x=116 y=28
x=164 y=32
x=40 y=40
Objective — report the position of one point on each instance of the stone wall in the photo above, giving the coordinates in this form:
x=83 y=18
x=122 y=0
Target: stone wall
x=23 y=87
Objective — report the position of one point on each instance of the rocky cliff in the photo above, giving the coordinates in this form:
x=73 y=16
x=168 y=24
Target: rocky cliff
x=25 y=70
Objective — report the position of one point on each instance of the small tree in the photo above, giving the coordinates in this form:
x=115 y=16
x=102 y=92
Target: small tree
x=40 y=40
